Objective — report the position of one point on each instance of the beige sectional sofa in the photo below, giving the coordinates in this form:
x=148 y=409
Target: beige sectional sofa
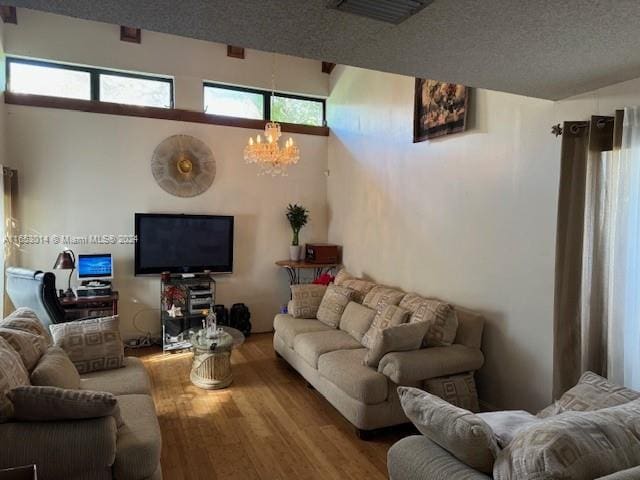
x=90 y=448
x=332 y=361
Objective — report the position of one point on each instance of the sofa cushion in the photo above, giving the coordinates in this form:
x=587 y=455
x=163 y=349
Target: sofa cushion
x=132 y=379
x=311 y=345
x=459 y=390
x=462 y=433
x=29 y=346
x=12 y=374
x=333 y=303
x=574 y=446
x=26 y=319
x=400 y=338
x=305 y=300
x=381 y=296
x=389 y=316
x=44 y=404
x=356 y=320
x=93 y=344
x=288 y=327
x=345 y=370
x=55 y=369
x=442 y=321
x=139 y=440
x=592 y=392
x=360 y=286
x=341 y=276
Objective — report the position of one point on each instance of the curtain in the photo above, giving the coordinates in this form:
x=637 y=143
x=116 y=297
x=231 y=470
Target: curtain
x=8 y=226
x=624 y=273
x=583 y=242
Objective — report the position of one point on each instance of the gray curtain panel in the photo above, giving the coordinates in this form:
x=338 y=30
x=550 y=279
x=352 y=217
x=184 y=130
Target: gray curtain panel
x=582 y=241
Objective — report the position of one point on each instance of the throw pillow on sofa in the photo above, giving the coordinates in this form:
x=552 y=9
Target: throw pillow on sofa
x=462 y=433
x=381 y=296
x=359 y=286
x=442 y=320
x=400 y=338
x=506 y=425
x=38 y=404
x=26 y=320
x=12 y=374
x=341 y=276
x=574 y=446
x=390 y=316
x=592 y=392
x=55 y=369
x=356 y=320
x=459 y=390
x=29 y=346
x=333 y=303
x=305 y=300
x=93 y=344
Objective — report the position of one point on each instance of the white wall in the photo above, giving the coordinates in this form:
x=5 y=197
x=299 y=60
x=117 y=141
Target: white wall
x=84 y=173
x=469 y=218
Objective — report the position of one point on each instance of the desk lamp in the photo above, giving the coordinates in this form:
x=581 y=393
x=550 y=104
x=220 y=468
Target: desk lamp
x=66 y=261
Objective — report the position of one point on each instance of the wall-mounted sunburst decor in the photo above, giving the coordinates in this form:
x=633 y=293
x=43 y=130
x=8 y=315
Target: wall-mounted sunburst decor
x=183 y=166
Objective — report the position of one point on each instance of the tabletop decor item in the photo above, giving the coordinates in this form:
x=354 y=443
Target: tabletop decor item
x=298 y=217
x=183 y=166
x=439 y=109
x=66 y=261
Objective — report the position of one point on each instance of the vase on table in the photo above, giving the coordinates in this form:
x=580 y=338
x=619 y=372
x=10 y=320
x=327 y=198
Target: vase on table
x=294 y=252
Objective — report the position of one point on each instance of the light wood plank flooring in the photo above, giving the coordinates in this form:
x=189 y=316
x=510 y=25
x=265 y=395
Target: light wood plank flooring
x=266 y=425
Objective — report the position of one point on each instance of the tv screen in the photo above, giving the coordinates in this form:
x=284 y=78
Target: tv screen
x=94 y=266
x=183 y=243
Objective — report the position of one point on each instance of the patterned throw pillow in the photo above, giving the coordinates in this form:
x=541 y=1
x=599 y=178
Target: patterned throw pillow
x=400 y=338
x=341 y=276
x=29 y=346
x=390 y=316
x=26 y=320
x=333 y=303
x=458 y=390
x=574 y=446
x=55 y=369
x=356 y=320
x=93 y=344
x=443 y=323
x=361 y=287
x=306 y=300
x=38 y=404
x=462 y=433
x=12 y=374
x=592 y=392
x=381 y=296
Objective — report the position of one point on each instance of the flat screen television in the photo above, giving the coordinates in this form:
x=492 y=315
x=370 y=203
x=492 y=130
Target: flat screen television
x=183 y=243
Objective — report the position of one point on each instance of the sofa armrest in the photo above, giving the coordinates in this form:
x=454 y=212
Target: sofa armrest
x=629 y=474
x=61 y=449
x=408 y=368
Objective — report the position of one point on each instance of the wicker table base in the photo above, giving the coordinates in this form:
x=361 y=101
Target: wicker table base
x=211 y=371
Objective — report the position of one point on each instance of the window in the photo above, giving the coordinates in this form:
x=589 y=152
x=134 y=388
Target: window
x=87 y=83
x=243 y=102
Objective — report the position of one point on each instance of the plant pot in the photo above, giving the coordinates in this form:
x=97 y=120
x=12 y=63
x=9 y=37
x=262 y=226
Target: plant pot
x=294 y=252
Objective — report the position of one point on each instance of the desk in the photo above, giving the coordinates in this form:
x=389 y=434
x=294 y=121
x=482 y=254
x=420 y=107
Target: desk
x=294 y=268
x=81 y=307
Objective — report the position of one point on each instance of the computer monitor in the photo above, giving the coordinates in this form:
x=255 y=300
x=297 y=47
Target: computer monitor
x=95 y=266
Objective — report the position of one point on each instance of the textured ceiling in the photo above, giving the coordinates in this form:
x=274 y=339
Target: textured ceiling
x=542 y=48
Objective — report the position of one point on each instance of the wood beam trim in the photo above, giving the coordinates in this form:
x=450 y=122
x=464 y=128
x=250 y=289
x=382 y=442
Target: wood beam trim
x=9 y=14
x=178 y=115
x=130 y=34
x=235 y=52
x=327 y=67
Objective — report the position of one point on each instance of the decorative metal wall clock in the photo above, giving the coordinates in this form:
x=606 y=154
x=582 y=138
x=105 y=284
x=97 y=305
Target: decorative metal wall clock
x=183 y=166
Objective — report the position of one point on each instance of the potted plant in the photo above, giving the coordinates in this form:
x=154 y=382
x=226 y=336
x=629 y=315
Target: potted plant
x=298 y=217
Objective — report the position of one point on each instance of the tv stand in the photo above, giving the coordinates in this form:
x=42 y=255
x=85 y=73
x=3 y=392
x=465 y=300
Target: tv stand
x=192 y=294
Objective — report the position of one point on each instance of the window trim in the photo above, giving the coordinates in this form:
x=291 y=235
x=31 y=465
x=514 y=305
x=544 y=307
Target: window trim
x=94 y=76
x=267 y=94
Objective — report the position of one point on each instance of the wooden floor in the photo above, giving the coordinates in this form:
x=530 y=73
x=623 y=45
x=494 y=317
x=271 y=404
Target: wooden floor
x=266 y=425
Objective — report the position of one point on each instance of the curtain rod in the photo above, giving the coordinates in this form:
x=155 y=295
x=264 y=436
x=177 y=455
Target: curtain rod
x=601 y=122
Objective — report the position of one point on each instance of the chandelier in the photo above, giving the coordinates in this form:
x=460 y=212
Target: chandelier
x=272 y=158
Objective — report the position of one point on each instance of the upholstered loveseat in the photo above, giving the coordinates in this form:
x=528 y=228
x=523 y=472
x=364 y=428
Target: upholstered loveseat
x=125 y=446
x=331 y=358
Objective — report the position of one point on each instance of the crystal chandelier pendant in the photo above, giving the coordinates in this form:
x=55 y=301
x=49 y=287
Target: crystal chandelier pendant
x=272 y=158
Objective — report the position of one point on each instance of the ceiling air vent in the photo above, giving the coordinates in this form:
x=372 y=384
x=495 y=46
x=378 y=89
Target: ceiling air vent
x=390 y=11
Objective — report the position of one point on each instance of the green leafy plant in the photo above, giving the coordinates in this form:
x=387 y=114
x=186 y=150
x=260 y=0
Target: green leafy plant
x=298 y=217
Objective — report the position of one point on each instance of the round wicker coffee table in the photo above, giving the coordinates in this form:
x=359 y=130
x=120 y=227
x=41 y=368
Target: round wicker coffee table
x=211 y=368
